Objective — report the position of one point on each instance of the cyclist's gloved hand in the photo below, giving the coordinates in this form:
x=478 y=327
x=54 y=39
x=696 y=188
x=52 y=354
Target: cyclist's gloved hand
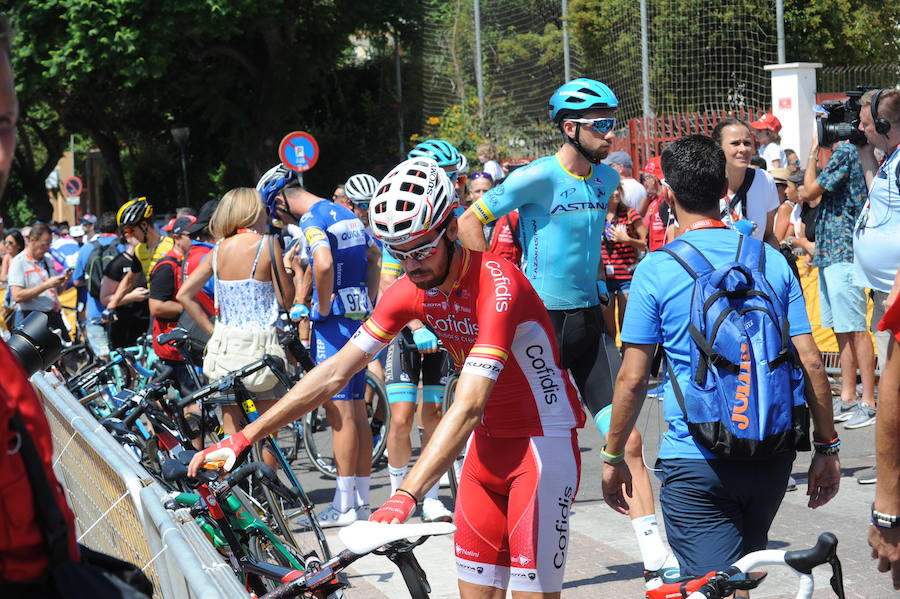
x=425 y=340
x=603 y=292
x=399 y=507
x=109 y=315
x=228 y=449
x=298 y=311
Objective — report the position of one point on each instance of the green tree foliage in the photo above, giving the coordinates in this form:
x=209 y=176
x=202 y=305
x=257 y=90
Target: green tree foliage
x=843 y=32
x=240 y=74
x=833 y=32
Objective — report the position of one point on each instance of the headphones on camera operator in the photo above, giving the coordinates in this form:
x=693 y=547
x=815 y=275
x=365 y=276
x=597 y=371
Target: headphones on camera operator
x=882 y=125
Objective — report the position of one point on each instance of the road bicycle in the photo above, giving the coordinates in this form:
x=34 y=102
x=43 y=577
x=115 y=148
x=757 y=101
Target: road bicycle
x=362 y=538
x=741 y=575
x=284 y=512
x=271 y=568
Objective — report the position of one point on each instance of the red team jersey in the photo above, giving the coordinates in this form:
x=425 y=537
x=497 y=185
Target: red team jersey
x=493 y=324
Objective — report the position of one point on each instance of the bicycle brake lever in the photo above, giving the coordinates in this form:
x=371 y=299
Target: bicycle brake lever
x=837 y=575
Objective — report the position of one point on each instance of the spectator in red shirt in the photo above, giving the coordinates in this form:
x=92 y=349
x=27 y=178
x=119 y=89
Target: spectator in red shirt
x=623 y=245
x=659 y=212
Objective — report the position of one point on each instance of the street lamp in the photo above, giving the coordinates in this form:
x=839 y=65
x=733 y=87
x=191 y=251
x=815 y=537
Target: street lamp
x=181 y=135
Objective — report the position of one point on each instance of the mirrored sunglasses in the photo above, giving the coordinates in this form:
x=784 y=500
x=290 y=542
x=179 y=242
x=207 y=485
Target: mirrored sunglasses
x=420 y=253
x=604 y=125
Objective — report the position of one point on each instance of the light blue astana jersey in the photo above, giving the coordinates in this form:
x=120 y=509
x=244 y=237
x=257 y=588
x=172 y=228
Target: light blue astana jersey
x=561 y=222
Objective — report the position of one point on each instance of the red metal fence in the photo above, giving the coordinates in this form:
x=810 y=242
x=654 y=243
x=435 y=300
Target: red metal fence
x=648 y=136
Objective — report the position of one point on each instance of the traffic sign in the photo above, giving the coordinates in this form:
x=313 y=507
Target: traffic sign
x=72 y=187
x=298 y=151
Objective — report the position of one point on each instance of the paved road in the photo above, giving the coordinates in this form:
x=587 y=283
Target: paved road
x=605 y=562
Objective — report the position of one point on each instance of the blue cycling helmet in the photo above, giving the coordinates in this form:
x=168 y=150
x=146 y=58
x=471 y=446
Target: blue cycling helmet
x=579 y=96
x=273 y=182
x=438 y=150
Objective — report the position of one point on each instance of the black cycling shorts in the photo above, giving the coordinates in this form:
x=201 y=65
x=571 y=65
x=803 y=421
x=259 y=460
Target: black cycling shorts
x=589 y=352
x=404 y=363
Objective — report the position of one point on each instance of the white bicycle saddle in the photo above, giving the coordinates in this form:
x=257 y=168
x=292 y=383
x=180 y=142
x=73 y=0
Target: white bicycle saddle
x=363 y=536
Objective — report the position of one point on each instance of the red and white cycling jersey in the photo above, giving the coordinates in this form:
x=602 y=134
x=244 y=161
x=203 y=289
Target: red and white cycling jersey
x=493 y=324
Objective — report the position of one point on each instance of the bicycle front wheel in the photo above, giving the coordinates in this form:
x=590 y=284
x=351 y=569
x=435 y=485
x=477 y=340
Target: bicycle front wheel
x=379 y=414
x=318 y=436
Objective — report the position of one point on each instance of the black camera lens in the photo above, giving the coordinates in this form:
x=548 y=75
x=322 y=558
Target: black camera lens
x=34 y=344
x=830 y=132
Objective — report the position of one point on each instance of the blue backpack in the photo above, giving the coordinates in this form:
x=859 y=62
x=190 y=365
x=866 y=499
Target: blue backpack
x=745 y=399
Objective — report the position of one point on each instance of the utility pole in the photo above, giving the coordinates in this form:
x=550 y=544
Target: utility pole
x=479 y=80
x=645 y=63
x=779 y=19
x=567 y=65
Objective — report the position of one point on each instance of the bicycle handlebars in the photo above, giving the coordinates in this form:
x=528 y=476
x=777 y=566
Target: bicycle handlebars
x=227 y=381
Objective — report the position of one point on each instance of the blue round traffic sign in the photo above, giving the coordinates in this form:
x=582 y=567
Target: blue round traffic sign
x=298 y=151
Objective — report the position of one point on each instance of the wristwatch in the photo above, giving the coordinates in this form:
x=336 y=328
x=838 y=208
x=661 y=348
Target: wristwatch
x=884 y=520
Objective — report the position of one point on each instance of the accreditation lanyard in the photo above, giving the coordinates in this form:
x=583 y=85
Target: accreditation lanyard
x=706 y=223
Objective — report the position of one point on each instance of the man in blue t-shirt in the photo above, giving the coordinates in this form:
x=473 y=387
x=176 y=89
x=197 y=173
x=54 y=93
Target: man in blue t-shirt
x=715 y=510
x=343 y=258
x=96 y=333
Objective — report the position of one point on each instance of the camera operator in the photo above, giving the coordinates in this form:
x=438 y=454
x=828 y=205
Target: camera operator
x=843 y=303
x=877 y=257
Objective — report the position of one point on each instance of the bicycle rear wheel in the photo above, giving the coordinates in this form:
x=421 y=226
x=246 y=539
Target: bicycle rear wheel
x=297 y=518
x=262 y=549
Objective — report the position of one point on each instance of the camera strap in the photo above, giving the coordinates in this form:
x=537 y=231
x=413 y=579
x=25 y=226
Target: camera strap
x=741 y=194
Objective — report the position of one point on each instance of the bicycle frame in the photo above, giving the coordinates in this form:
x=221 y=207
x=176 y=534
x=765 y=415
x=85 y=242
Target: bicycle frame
x=238 y=517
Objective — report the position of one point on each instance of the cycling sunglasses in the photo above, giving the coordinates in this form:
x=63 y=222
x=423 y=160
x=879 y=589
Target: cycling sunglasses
x=420 y=253
x=481 y=175
x=361 y=205
x=604 y=125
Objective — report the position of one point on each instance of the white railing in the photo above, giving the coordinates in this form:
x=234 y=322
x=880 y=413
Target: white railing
x=118 y=505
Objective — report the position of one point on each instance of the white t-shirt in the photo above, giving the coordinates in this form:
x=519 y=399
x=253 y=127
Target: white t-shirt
x=876 y=251
x=633 y=193
x=772 y=151
x=762 y=198
x=27 y=273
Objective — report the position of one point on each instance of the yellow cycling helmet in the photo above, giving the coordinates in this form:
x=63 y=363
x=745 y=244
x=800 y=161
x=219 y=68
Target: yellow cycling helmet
x=134 y=211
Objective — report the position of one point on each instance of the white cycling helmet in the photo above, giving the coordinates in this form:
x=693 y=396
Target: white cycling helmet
x=360 y=188
x=414 y=198
x=463 y=168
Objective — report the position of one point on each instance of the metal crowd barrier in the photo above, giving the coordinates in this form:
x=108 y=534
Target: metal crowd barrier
x=119 y=509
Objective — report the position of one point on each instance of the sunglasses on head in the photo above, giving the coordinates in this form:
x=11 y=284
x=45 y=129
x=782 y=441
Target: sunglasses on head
x=481 y=175
x=420 y=253
x=604 y=125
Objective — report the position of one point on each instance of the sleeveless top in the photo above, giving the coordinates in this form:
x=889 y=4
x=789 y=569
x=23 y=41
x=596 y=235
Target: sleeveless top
x=245 y=303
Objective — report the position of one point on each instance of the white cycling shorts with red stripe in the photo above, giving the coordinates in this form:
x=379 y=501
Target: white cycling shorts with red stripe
x=512 y=511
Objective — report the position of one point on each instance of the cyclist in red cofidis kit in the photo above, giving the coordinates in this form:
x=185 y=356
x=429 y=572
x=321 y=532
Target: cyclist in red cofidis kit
x=522 y=467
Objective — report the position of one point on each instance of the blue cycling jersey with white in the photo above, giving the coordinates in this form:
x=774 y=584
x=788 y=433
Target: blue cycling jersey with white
x=561 y=223
x=333 y=226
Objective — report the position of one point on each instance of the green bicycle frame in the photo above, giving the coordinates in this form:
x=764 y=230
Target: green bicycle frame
x=241 y=520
